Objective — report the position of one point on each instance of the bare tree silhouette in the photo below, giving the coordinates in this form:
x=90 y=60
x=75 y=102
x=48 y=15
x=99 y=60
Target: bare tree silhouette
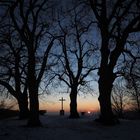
x=29 y=20
x=79 y=57
x=116 y=20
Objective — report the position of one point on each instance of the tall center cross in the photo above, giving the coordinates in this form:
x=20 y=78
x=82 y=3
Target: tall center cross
x=62 y=100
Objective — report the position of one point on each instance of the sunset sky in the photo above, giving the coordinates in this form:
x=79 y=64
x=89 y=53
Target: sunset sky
x=85 y=102
x=52 y=104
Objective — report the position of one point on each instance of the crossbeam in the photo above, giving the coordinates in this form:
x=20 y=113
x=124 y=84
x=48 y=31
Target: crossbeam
x=62 y=100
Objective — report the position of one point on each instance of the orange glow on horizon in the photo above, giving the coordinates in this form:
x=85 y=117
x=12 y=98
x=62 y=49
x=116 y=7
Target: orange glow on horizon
x=83 y=105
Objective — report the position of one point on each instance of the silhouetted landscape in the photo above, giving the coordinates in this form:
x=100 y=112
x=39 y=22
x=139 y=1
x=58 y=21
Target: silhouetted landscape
x=88 y=48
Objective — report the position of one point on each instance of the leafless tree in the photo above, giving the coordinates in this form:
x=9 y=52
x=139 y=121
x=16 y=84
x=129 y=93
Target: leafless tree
x=131 y=68
x=116 y=20
x=13 y=65
x=29 y=20
x=120 y=97
x=13 y=78
x=133 y=85
x=79 y=55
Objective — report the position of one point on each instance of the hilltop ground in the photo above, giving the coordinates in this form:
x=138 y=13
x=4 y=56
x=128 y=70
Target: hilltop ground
x=61 y=128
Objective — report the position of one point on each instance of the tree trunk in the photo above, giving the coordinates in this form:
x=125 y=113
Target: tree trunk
x=73 y=103
x=105 y=87
x=23 y=110
x=21 y=97
x=23 y=107
x=34 y=111
x=33 y=90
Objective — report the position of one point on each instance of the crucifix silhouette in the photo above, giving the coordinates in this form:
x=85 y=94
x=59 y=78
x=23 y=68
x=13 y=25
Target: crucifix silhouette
x=62 y=110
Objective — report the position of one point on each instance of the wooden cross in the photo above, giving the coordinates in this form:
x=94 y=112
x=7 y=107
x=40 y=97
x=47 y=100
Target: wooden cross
x=62 y=100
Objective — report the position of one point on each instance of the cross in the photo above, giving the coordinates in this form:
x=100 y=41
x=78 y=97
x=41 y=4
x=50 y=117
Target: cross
x=62 y=100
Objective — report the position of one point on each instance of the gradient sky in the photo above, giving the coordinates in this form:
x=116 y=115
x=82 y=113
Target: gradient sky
x=51 y=103
x=85 y=103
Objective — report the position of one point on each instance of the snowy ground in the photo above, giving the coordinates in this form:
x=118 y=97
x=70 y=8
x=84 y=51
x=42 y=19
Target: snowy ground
x=62 y=128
